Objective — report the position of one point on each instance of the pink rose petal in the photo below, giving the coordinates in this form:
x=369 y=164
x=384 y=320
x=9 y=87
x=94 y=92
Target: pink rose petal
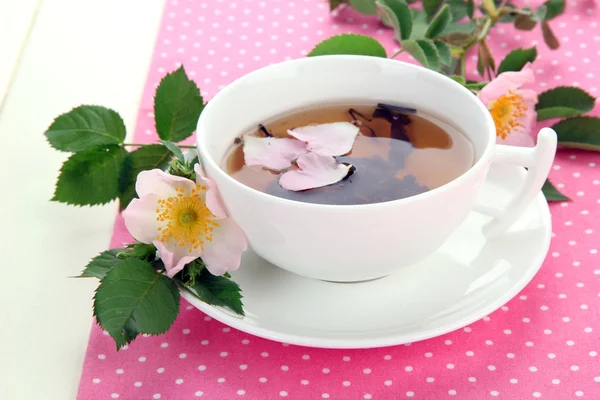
x=270 y=152
x=334 y=139
x=212 y=198
x=175 y=257
x=159 y=182
x=140 y=218
x=315 y=171
x=224 y=252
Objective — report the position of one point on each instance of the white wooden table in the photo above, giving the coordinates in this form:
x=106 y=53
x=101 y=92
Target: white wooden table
x=78 y=51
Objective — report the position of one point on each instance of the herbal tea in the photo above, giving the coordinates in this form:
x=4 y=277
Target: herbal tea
x=349 y=155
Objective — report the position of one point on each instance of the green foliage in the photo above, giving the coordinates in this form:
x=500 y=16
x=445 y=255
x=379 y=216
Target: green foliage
x=563 y=101
x=174 y=149
x=217 y=291
x=431 y=7
x=133 y=298
x=364 y=6
x=553 y=9
x=141 y=251
x=101 y=264
x=579 y=133
x=551 y=193
x=444 y=52
x=349 y=44
x=333 y=4
x=91 y=176
x=516 y=59
x=86 y=127
x=399 y=16
x=439 y=23
x=145 y=158
x=177 y=106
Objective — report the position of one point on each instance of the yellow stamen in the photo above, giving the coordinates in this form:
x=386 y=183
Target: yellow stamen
x=506 y=111
x=189 y=222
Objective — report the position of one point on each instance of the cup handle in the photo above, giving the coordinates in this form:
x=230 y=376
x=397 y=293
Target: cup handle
x=538 y=160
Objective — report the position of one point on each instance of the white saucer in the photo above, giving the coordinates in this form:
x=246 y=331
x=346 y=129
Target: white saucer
x=465 y=280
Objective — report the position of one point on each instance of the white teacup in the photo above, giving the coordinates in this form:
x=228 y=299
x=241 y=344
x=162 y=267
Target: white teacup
x=360 y=242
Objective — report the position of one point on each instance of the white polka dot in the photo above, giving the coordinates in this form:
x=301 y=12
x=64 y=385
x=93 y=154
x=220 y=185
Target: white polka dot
x=593 y=354
x=544 y=308
x=326 y=370
x=450 y=366
x=101 y=356
x=429 y=379
x=367 y=371
x=283 y=393
x=410 y=394
x=566 y=319
x=142 y=359
x=387 y=383
x=243 y=367
x=304 y=382
x=428 y=355
x=264 y=354
x=160 y=370
x=597 y=379
x=452 y=392
x=469 y=353
x=570 y=343
x=179 y=381
x=367 y=396
x=202 y=368
x=529 y=344
x=448 y=342
x=579 y=393
x=494 y=393
x=467 y=329
x=555 y=381
x=137 y=384
x=346 y=383
x=551 y=355
x=387 y=357
x=262 y=380
x=533 y=369
x=513 y=381
x=507 y=331
x=204 y=342
x=325 y=395
x=245 y=341
x=119 y=371
x=306 y=357
x=491 y=367
x=241 y=392
x=157 y=395
x=526 y=320
x=472 y=379
x=96 y=380
x=574 y=368
x=510 y=355
x=220 y=380
x=285 y=368
x=547 y=331
x=182 y=355
x=537 y=394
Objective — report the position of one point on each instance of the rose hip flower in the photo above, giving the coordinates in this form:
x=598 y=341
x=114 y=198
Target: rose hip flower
x=315 y=171
x=512 y=106
x=184 y=220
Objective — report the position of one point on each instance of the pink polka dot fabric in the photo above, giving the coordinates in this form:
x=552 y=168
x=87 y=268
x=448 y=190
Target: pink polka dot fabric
x=542 y=344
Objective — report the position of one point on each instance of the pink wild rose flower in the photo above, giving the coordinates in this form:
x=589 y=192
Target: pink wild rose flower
x=512 y=106
x=184 y=220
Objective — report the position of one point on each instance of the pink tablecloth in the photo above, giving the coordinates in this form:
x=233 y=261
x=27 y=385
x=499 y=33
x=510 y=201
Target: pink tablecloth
x=542 y=344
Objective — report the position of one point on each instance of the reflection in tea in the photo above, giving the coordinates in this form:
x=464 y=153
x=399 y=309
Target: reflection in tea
x=396 y=154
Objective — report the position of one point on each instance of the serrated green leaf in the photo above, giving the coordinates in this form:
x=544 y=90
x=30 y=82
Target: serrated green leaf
x=563 y=101
x=554 y=8
x=470 y=8
x=133 y=298
x=549 y=37
x=431 y=6
x=174 y=149
x=439 y=22
x=516 y=59
x=413 y=48
x=419 y=24
x=551 y=193
x=141 y=251
x=433 y=58
x=466 y=28
x=349 y=44
x=458 y=9
x=398 y=14
x=579 y=133
x=177 y=106
x=364 y=6
x=101 y=264
x=218 y=291
x=86 y=127
x=444 y=52
x=91 y=176
x=333 y=4
x=145 y=158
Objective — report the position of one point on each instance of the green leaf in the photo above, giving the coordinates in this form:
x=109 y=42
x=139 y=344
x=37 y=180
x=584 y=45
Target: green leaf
x=458 y=79
x=133 y=298
x=466 y=28
x=444 y=52
x=549 y=37
x=476 y=85
x=218 y=291
x=177 y=106
x=333 y=4
x=86 y=127
x=145 y=158
x=525 y=22
x=516 y=59
x=552 y=193
x=364 y=6
x=554 y=8
x=349 y=44
x=458 y=9
x=470 y=8
x=431 y=6
x=398 y=14
x=91 y=176
x=413 y=48
x=101 y=264
x=433 y=58
x=174 y=149
x=540 y=13
x=439 y=22
x=419 y=24
x=141 y=251
x=579 y=133
x=563 y=101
